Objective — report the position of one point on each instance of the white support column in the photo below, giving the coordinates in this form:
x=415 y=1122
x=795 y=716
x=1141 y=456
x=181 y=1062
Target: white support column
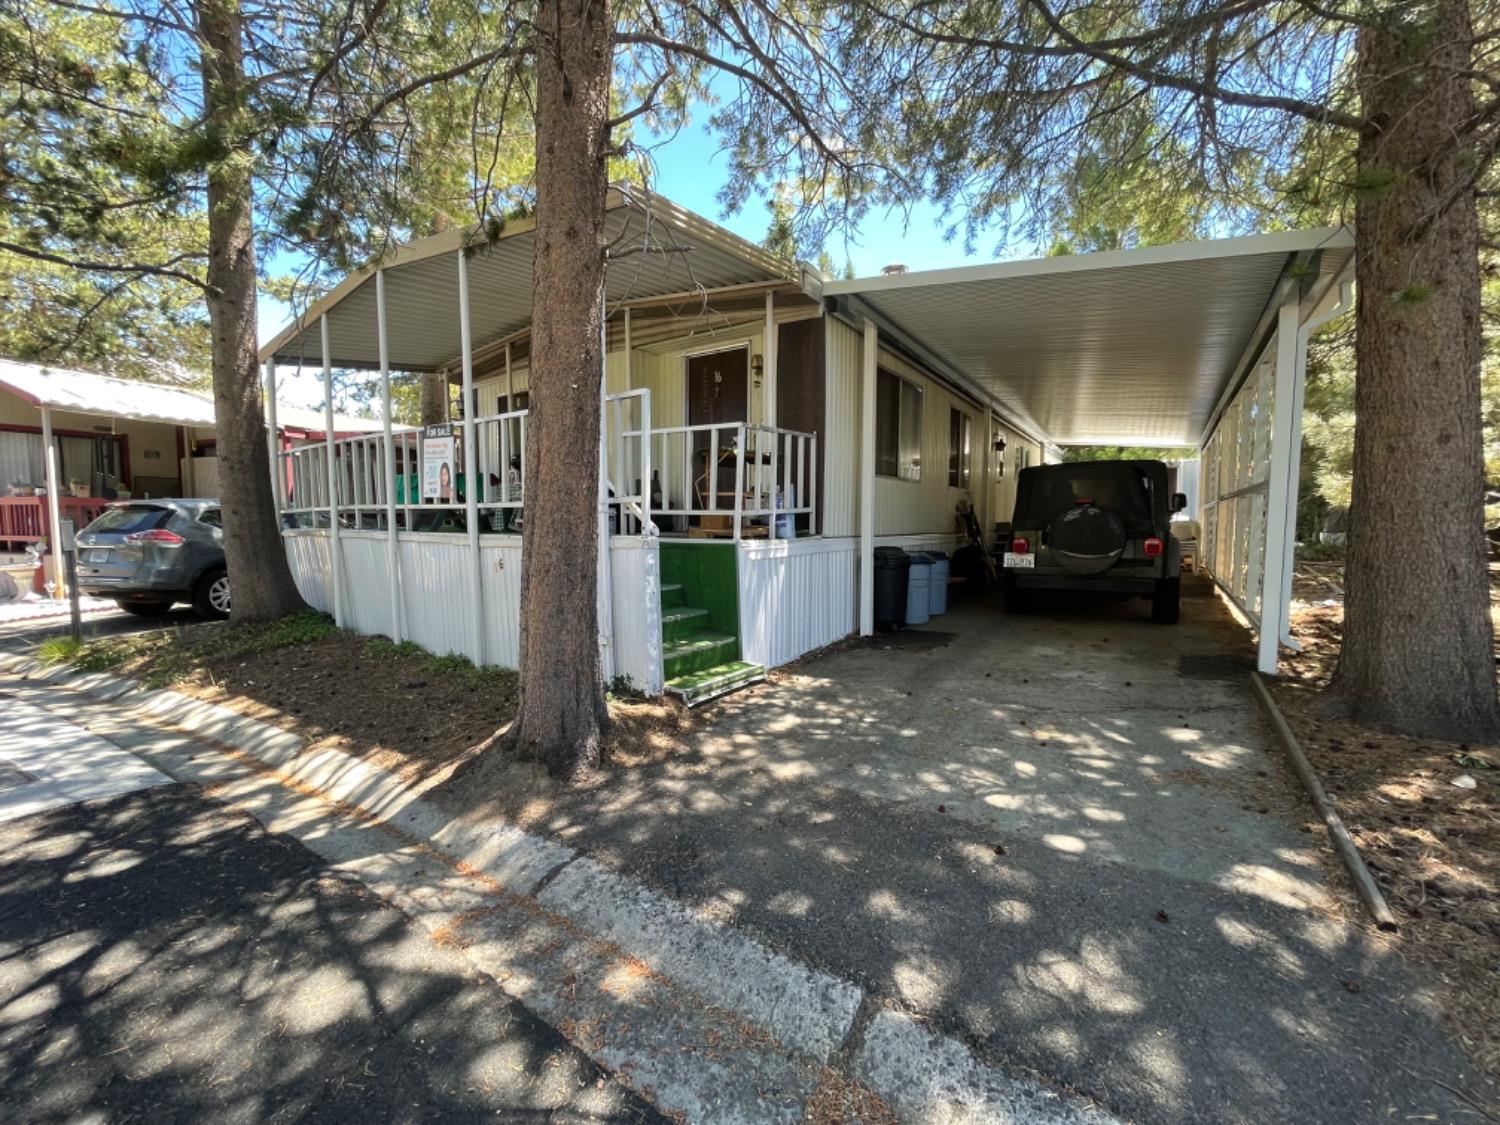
x=867 y=482
x=273 y=442
x=1319 y=317
x=471 y=482
x=606 y=583
x=1280 y=488
x=335 y=552
x=393 y=544
x=54 y=502
x=769 y=349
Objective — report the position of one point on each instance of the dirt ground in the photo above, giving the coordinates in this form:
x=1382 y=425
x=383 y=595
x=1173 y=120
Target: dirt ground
x=1433 y=846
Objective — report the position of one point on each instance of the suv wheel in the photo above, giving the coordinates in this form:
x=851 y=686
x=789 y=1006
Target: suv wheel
x=211 y=595
x=1166 y=602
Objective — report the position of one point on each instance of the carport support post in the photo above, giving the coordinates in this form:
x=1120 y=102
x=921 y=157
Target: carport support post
x=471 y=476
x=392 y=544
x=54 y=503
x=867 y=482
x=1279 y=487
x=335 y=553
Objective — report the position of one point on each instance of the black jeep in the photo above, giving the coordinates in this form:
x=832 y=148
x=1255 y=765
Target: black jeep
x=1095 y=525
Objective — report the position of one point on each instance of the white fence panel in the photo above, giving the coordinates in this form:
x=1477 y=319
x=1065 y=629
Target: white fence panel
x=367 y=598
x=436 y=583
x=795 y=596
x=636 y=570
x=308 y=554
x=500 y=577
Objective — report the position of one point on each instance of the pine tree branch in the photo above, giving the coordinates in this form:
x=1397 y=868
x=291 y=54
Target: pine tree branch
x=163 y=269
x=1309 y=111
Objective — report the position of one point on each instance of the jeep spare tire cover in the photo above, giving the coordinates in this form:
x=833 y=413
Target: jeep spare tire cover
x=1087 y=540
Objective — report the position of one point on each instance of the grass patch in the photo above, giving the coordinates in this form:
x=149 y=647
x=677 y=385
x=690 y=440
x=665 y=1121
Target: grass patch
x=60 y=650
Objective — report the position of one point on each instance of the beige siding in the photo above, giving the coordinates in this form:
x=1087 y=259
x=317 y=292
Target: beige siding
x=928 y=506
x=1002 y=492
x=841 y=443
x=152 y=445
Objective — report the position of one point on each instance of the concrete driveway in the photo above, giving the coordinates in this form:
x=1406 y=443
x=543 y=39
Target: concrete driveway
x=1066 y=838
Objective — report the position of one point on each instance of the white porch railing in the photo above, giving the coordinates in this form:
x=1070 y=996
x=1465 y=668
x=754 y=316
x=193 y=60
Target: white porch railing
x=762 y=478
x=733 y=479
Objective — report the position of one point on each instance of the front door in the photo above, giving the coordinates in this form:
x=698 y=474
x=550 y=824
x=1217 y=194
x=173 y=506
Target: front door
x=718 y=391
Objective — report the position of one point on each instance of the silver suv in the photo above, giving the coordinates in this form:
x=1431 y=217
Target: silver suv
x=148 y=555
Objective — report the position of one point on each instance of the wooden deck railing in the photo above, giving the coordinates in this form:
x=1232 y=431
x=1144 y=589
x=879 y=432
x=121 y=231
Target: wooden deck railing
x=23 y=519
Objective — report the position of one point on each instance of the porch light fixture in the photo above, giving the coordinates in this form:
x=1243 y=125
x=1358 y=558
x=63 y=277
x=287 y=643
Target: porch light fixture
x=1000 y=444
x=757 y=368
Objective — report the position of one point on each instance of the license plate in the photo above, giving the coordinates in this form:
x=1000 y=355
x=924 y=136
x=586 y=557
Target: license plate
x=1022 y=562
x=98 y=555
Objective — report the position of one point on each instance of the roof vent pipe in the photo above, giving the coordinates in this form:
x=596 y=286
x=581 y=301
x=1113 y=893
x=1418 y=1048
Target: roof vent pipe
x=893 y=269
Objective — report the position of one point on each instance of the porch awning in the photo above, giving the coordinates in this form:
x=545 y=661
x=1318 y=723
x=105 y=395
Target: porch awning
x=663 y=249
x=1130 y=347
x=84 y=392
x=104 y=396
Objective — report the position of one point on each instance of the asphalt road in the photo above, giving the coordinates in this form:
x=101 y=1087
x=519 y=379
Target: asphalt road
x=163 y=958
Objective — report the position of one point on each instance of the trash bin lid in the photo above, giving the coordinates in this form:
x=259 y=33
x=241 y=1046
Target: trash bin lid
x=936 y=556
x=891 y=556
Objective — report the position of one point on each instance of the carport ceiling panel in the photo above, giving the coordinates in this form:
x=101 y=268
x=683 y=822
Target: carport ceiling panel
x=1138 y=354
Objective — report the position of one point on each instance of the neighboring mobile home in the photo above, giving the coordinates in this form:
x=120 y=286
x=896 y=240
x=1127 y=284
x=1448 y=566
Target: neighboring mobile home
x=763 y=434
x=110 y=439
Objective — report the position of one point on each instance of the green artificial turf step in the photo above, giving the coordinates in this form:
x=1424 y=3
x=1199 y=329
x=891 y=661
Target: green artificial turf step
x=697 y=651
x=710 y=683
x=680 y=623
x=671 y=595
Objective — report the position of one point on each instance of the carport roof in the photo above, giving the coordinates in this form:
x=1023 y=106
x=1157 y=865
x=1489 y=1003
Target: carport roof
x=669 y=250
x=1127 y=347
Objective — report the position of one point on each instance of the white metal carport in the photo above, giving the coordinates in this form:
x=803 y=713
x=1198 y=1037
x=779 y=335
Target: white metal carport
x=1190 y=344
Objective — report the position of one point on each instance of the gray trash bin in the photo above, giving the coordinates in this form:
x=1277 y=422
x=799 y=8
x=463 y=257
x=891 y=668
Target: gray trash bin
x=937 y=588
x=918 y=582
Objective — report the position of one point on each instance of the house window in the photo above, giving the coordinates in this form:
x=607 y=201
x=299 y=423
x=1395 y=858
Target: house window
x=1023 y=458
x=898 y=427
x=960 y=460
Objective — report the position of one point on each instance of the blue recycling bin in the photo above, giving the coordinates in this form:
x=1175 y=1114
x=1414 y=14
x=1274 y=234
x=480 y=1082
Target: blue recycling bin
x=937 y=584
x=918 y=582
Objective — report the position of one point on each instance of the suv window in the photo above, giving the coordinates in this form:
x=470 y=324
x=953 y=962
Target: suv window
x=130 y=517
x=1050 y=491
x=212 y=517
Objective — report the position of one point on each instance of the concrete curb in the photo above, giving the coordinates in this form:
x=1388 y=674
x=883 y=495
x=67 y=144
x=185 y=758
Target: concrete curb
x=924 y=1076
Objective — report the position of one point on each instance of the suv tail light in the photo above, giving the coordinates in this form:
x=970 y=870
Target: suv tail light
x=1020 y=545
x=158 y=535
x=1154 y=547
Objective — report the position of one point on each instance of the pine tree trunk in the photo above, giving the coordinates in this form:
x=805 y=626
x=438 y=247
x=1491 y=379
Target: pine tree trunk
x=434 y=401
x=259 y=574
x=1418 y=650
x=562 y=716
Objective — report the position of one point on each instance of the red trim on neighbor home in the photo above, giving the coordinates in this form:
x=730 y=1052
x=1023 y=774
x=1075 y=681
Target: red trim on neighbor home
x=124 y=440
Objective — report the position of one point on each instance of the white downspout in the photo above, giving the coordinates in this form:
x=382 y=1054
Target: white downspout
x=606 y=583
x=273 y=442
x=867 y=482
x=1314 y=322
x=393 y=545
x=471 y=484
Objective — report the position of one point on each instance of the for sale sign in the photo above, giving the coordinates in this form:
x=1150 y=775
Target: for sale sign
x=439 y=464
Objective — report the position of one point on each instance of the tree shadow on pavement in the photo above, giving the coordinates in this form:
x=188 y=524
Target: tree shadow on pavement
x=164 y=958
x=1046 y=840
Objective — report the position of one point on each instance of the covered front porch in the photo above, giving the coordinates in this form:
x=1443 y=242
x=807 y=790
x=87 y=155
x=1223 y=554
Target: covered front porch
x=711 y=416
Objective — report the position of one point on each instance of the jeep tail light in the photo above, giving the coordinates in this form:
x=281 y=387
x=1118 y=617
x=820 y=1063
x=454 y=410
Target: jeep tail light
x=158 y=535
x=1020 y=545
x=1154 y=547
